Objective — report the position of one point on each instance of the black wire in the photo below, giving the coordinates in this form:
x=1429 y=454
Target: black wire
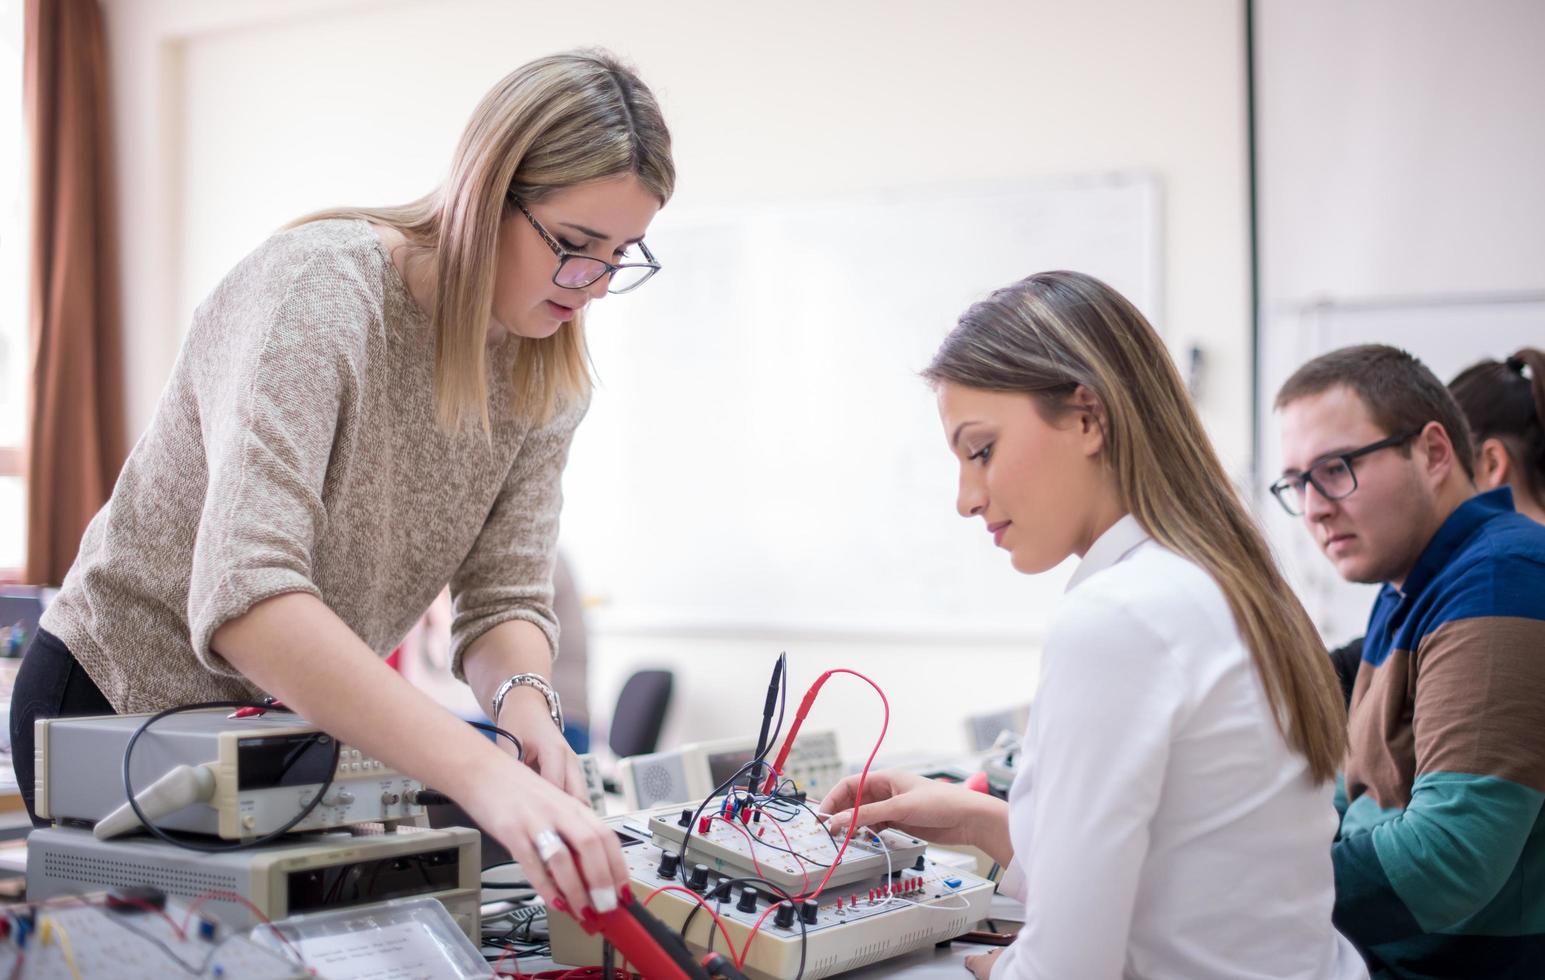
x=786 y=850
x=818 y=821
x=502 y=884
x=523 y=924
x=128 y=783
x=804 y=935
x=722 y=788
x=783 y=700
x=687 y=837
x=791 y=802
x=203 y=968
x=765 y=803
x=783 y=693
x=520 y=750
x=780 y=674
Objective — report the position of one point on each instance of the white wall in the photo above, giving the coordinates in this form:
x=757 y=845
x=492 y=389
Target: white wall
x=237 y=115
x=1401 y=147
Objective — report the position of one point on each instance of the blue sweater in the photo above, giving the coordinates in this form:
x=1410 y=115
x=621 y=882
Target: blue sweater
x=1440 y=861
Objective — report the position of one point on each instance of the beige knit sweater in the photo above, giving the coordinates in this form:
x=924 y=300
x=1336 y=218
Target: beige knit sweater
x=295 y=449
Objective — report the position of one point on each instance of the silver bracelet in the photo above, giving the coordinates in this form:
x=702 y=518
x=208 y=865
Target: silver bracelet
x=554 y=707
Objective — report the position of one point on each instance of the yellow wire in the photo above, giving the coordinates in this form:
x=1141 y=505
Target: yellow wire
x=52 y=928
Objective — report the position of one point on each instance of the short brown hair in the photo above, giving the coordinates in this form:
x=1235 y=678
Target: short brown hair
x=1399 y=391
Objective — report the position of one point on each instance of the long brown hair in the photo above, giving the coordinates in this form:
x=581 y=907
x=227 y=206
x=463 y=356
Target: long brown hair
x=550 y=124
x=1050 y=333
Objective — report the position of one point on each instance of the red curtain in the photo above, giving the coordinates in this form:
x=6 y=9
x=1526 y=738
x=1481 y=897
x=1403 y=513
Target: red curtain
x=76 y=433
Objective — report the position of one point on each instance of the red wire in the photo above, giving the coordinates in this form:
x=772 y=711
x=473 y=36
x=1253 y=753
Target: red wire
x=804 y=869
x=177 y=930
x=745 y=949
x=508 y=951
x=750 y=844
x=595 y=972
x=225 y=896
x=804 y=708
x=858 y=796
x=700 y=900
x=777 y=767
x=574 y=973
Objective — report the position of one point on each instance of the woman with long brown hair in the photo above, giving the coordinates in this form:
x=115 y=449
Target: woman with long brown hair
x=374 y=403
x=1173 y=816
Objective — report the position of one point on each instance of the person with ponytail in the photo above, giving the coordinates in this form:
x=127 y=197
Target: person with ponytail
x=1504 y=402
x=375 y=403
x=1173 y=816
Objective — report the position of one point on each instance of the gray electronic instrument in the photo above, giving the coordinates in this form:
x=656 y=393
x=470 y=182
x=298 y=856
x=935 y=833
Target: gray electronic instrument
x=302 y=874
x=696 y=769
x=881 y=909
x=206 y=772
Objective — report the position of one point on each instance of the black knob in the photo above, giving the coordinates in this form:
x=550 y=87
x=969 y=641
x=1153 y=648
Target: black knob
x=784 y=917
x=722 y=893
x=699 y=880
x=669 y=861
x=686 y=819
x=747 y=901
x=136 y=898
x=807 y=910
x=918 y=864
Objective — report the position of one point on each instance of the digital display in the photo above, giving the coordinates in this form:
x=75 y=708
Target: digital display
x=283 y=760
x=360 y=882
x=723 y=765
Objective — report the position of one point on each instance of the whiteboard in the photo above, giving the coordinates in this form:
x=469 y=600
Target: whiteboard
x=1448 y=334
x=761 y=454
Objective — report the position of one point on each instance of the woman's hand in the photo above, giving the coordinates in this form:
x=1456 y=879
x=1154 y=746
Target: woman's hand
x=525 y=716
x=941 y=813
x=520 y=810
x=297 y=649
x=518 y=647
x=980 y=965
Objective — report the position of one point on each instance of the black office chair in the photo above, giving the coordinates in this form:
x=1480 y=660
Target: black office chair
x=640 y=713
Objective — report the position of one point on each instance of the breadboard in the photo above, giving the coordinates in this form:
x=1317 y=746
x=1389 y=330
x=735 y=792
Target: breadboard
x=760 y=847
x=110 y=945
x=864 y=921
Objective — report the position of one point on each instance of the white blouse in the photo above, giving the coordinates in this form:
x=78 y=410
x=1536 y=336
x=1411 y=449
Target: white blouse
x=1161 y=825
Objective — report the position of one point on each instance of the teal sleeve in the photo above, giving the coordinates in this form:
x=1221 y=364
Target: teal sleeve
x=1438 y=863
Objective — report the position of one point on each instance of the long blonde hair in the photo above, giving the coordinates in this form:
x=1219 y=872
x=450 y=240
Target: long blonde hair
x=550 y=124
x=1048 y=334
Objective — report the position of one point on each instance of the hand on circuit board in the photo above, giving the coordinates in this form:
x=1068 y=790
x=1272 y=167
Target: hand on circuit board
x=940 y=813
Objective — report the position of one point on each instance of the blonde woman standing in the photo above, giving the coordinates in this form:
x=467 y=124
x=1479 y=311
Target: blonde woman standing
x=1173 y=817
x=372 y=404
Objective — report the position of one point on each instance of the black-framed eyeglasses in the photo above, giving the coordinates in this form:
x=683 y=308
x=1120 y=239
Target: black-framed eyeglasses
x=1332 y=475
x=577 y=271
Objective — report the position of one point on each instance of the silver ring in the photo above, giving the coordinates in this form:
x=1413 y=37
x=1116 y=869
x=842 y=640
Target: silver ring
x=548 y=844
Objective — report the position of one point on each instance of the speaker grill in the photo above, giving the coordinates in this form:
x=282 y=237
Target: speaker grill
x=658 y=784
x=94 y=873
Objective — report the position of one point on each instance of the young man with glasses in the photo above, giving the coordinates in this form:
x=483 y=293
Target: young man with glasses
x=1442 y=844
